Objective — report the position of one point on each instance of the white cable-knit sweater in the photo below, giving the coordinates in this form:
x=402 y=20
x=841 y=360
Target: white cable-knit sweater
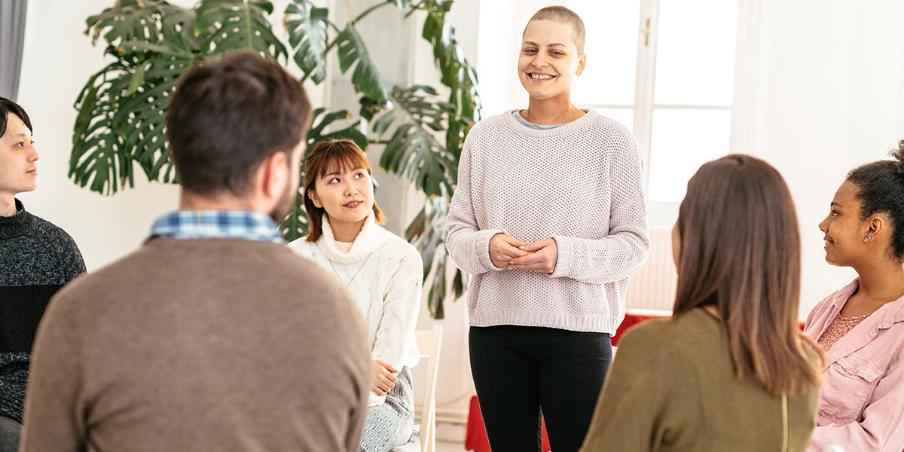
x=383 y=273
x=580 y=184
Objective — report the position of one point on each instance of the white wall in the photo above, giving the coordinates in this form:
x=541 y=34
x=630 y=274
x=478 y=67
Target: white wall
x=828 y=98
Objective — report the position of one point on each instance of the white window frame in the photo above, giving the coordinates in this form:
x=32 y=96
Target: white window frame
x=743 y=99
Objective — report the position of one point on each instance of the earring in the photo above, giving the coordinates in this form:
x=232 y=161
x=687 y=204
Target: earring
x=868 y=239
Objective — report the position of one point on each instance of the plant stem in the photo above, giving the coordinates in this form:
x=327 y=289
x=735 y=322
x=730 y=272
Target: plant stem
x=350 y=23
x=414 y=8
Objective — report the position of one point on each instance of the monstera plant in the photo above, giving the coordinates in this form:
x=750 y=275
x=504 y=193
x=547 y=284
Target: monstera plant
x=121 y=109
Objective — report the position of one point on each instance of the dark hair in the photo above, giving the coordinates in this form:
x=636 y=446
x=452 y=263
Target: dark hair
x=880 y=188
x=563 y=15
x=6 y=107
x=328 y=155
x=228 y=115
x=740 y=249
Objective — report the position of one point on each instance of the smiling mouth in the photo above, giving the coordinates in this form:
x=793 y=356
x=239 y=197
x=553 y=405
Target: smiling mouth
x=827 y=241
x=352 y=204
x=536 y=76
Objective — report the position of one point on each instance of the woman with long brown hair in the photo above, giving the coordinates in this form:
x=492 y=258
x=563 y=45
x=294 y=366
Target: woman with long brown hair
x=730 y=370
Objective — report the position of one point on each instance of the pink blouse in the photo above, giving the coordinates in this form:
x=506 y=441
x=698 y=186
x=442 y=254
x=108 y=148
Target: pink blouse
x=862 y=403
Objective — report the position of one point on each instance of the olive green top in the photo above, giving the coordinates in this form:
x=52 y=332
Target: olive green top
x=672 y=387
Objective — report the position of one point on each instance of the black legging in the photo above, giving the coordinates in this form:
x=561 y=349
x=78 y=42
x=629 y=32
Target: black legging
x=517 y=370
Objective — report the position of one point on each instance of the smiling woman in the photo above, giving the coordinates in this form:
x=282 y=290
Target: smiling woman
x=861 y=326
x=382 y=271
x=549 y=217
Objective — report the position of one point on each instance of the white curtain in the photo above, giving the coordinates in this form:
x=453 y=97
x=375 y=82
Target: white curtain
x=12 y=32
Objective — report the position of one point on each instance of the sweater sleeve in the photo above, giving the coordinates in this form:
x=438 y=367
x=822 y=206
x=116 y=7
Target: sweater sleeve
x=54 y=411
x=621 y=253
x=467 y=244
x=72 y=263
x=401 y=305
x=643 y=406
x=881 y=427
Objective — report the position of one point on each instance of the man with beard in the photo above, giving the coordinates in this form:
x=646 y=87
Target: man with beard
x=214 y=335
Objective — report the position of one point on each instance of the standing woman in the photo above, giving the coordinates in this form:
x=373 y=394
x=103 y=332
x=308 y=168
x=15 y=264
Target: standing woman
x=383 y=273
x=730 y=371
x=861 y=327
x=549 y=217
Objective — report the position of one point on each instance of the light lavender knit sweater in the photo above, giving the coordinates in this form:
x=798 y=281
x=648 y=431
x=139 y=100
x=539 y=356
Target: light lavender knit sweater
x=580 y=184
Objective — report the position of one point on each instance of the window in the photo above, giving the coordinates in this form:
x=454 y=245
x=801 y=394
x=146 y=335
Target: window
x=666 y=69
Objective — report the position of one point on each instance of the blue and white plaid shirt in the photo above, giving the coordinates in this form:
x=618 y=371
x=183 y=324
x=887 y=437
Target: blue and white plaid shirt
x=216 y=224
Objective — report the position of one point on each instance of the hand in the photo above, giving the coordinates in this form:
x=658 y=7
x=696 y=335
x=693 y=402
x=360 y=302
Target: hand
x=541 y=257
x=504 y=248
x=383 y=377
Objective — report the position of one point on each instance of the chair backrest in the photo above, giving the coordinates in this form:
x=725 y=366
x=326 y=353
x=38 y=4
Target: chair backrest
x=429 y=342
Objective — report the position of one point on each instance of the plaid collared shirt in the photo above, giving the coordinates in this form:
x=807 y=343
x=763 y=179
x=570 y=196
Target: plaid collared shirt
x=216 y=224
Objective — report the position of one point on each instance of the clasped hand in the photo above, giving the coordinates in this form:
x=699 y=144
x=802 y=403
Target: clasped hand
x=383 y=377
x=510 y=253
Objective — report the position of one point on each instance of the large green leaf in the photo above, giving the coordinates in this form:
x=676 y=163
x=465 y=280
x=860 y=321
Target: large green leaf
x=98 y=159
x=295 y=225
x=427 y=233
x=455 y=72
x=152 y=21
x=353 y=52
x=413 y=150
x=142 y=112
x=225 y=25
x=307 y=26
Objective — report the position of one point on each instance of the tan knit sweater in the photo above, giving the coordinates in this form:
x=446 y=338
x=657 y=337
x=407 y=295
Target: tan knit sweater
x=579 y=183
x=196 y=345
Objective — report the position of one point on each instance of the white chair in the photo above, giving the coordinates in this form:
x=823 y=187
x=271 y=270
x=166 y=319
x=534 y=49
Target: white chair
x=429 y=342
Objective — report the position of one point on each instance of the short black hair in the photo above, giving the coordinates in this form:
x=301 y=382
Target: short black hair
x=6 y=107
x=880 y=188
x=228 y=115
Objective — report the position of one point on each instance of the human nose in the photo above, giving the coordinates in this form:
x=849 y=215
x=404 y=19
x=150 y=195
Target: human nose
x=33 y=155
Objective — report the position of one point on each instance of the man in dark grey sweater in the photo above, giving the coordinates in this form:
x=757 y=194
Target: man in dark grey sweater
x=214 y=335
x=36 y=259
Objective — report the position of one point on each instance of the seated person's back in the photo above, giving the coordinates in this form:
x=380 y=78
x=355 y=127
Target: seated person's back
x=204 y=345
x=214 y=335
x=686 y=363
x=731 y=370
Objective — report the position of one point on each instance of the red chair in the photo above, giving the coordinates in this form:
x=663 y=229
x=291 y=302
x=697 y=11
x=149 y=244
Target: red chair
x=635 y=316
x=476 y=434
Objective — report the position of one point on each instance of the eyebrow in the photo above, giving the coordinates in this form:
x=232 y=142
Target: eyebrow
x=555 y=44
x=22 y=134
x=835 y=204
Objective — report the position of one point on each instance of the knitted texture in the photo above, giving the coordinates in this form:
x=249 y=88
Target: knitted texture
x=580 y=184
x=383 y=273
x=37 y=257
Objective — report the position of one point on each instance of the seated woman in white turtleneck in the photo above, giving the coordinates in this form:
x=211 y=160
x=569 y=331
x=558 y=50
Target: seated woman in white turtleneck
x=383 y=273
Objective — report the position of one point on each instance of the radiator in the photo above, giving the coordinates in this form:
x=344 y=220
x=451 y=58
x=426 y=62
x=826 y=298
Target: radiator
x=653 y=286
